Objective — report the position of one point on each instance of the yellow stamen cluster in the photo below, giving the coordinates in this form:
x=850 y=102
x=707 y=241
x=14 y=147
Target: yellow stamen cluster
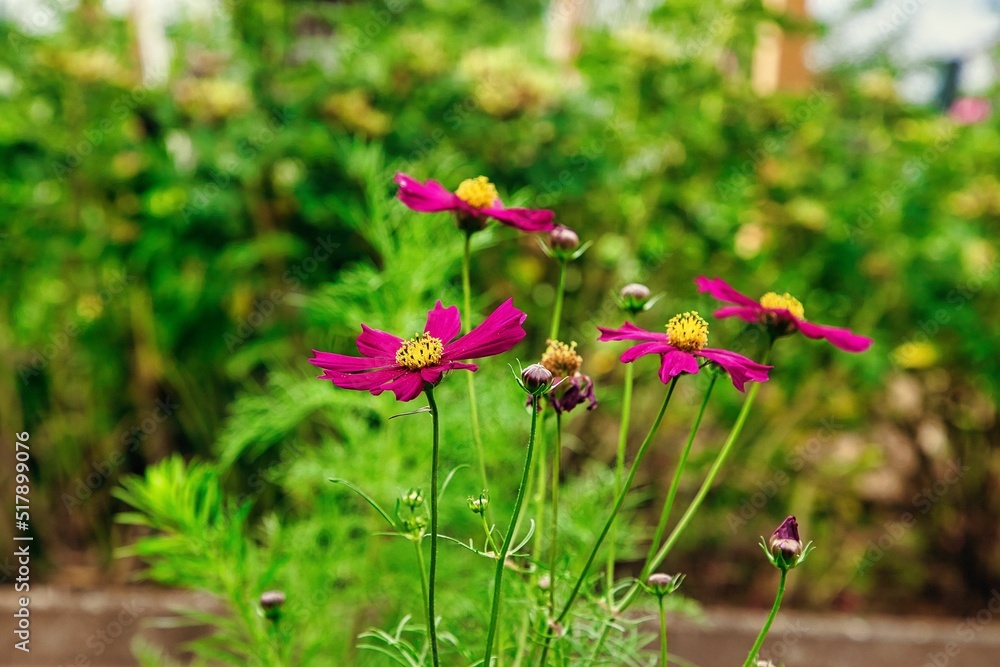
x=688 y=331
x=784 y=301
x=421 y=351
x=561 y=359
x=477 y=192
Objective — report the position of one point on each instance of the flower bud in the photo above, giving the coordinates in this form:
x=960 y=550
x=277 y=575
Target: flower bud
x=537 y=379
x=415 y=524
x=785 y=541
x=563 y=238
x=478 y=505
x=544 y=582
x=271 y=602
x=634 y=297
x=659 y=581
x=413 y=498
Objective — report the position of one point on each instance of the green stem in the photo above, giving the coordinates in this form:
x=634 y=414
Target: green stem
x=554 y=528
x=713 y=472
x=435 y=460
x=619 y=470
x=489 y=534
x=423 y=574
x=536 y=491
x=663 y=634
x=619 y=501
x=675 y=484
x=720 y=460
x=599 y=646
x=751 y=660
x=477 y=437
x=509 y=537
x=557 y=309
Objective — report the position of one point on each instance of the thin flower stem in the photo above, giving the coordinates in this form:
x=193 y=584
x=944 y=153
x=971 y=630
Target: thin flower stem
x=618 y=501
x=489 y=534
x=509 y=538
x=601 y=640
x=752 y=657
x=663 y=634
x=477 y=437
x=536 y=490
x=557 y=309
x=554 y=528
x=435 y=460
x=713 y=472
x=675 y=484
x=689 y=513
x=619 y=471
x=423 y=574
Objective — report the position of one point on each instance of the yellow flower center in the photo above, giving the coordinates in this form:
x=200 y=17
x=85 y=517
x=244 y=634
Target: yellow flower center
x=687 y=331
x=784 y=301
x=561 y=359
x=477 y=192
x=421 y=351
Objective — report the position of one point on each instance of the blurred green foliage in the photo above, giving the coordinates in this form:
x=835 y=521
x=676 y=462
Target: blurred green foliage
x=172 y=253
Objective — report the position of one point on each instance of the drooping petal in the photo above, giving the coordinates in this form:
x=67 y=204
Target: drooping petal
x=443 y=323
x=498 y=333
x=723 y=291
x=525 y=219
x=845 y=339
x=429 y=197
x=375 y=343
x=341 y=363
x=676 y=362
x=745 y=313
x=572 y=392
x=629 y=331
x=642 y=349
x=372 y=381
x=740 y=369
x=433 y=374
x=406 y=387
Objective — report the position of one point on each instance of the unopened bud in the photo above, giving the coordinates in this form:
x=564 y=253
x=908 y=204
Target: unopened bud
x=563 y=238
x=479 y=504
x=785 y=541
x=415 y=524
x=413 y=498
x=537 y=379
x=544 y=582
x=271 y=602
x=634 y=297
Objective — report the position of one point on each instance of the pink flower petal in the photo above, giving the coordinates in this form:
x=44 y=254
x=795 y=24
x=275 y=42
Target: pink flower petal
x=845 y=339
x=498 y=333
x=525 y=219
x=721 y=290
x=676 y=362
x=745 y=313
x=642 y=349
x=341 y=363
x=433 y=374
x=429 y=197
x=406 y=387
x=740 y=369
x=629 y=331
x=443 y=323
x=375 y=343
x=372 y=381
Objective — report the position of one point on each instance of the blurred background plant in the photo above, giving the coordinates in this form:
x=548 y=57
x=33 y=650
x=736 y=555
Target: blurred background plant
x=191 y=207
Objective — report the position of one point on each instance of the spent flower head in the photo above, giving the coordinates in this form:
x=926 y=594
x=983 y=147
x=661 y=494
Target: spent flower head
x=573 y=387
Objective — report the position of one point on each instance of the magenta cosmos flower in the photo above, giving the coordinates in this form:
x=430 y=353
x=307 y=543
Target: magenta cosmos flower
x=475 y=200
x=782 y=313
x=405 y=367
x=680 y=347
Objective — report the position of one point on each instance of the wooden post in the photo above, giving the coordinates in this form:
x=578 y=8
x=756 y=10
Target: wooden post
x=779 y=59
